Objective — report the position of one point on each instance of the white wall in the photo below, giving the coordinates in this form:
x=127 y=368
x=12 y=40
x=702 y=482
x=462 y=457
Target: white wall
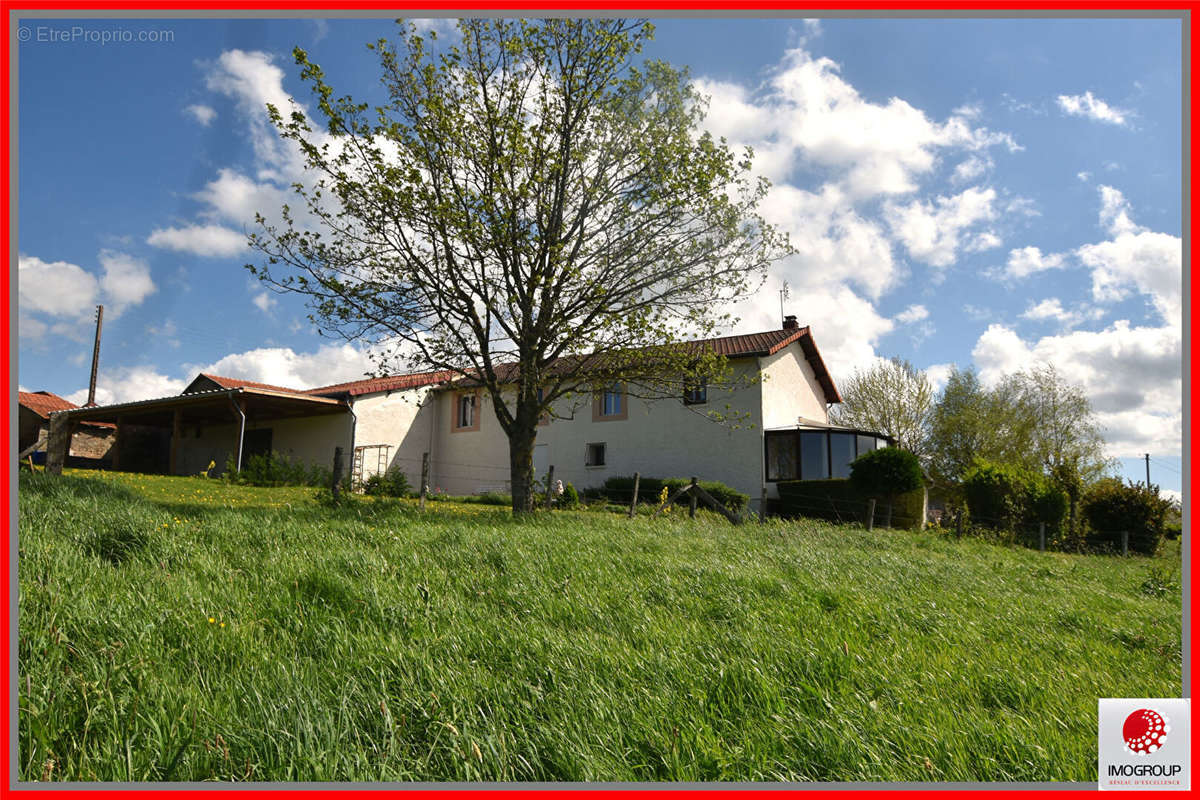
x=467 y=462
x=660 y=438
x=308 y=439
x=404 y=420
x=790 y=389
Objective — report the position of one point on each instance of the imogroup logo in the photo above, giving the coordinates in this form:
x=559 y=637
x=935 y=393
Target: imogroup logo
x=1145 y=744
x=1145 y=730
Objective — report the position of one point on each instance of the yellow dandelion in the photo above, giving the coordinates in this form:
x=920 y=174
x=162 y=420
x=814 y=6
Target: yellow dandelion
x=211 y=620
x=222 y=624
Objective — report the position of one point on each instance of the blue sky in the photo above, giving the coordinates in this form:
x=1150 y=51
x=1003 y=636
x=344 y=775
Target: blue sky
x=995 y=193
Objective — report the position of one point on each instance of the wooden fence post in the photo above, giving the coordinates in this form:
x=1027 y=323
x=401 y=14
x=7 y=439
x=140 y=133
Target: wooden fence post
x=424 y=479
x=550 y=486
x=887 y=518
x=58 y=443
x=692 y=499
x=762 y=506
x=637 y=477
x=871 y=514
x=335 y=486
x=1124 y=543
x=1042 y=536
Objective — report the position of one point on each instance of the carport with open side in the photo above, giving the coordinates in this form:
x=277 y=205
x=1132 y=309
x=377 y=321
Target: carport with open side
x=183 y=434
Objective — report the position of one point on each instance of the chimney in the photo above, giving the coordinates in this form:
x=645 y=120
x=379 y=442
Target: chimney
x=790 y=324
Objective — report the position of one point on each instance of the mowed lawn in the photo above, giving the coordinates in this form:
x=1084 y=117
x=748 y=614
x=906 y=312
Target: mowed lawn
x=182 y=629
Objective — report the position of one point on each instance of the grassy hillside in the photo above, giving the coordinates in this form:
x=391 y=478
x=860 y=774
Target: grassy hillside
x=180 y=629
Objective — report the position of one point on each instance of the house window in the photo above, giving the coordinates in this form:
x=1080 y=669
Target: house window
x=466 y=411
x=841 y=453
x=696 y=395
x=781 y=456
x=595 y=455
x=866 y=444
x=610 y=403
x=814 y=455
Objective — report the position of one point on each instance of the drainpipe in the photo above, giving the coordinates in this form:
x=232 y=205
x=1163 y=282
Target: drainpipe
x=242 y=429
x=353 y=428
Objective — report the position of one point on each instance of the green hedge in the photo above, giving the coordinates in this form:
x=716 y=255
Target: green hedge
x=836 y=500
x=1007 y=497
x=619 y=489
x=1111 y=507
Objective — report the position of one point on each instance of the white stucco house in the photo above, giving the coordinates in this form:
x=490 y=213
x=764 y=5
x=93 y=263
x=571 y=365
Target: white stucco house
x=782 y=431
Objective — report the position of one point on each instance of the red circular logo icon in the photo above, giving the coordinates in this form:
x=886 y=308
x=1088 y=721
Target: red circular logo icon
x=1145 y=731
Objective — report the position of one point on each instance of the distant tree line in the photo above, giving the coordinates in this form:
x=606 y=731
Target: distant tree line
x=1025 y=451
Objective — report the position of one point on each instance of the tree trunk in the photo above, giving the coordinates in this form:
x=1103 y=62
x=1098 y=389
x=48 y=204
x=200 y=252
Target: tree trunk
x=520 y=461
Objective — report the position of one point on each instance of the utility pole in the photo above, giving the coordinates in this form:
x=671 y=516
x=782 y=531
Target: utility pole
x=1147 y=470
x=95 y=356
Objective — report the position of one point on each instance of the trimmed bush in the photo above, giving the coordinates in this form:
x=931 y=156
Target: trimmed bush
x=1112 y=506
x=619 y=489
x=393 y=483
x=886 y=472
x=836 y=500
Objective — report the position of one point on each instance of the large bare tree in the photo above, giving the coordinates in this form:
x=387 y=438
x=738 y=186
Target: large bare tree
x=526 y=207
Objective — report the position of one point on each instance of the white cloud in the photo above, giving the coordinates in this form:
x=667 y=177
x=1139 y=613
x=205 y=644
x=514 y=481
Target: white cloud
x=833 y=242
x=236 y=198
x=1051 y=310
x=442 y=26
x=263 y=301
x=1092 y=107
x=972 y=168
x=67 y=293
x=58 y=288
x=1135 y=259
x=126 y=280
x=201 y=113
x=809 y=114
x=200 y=240
x=1084 y=176
x=931 y=230
x=1026 y=261
x=1131 y=374
x=282 y=366
x=939 y=375
x=129 y=384
x=914 y=313
x=252 y=81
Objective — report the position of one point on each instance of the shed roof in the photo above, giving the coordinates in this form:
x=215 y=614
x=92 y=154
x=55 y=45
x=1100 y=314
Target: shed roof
x=386 y=383
x=43 y=403
x=221 y=382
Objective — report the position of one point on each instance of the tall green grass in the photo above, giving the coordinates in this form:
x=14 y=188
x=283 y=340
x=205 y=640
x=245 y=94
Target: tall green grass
x=169 y=630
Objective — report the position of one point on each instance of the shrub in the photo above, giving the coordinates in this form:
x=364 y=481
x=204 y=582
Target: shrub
x=276 y=469
x=570 y=497
x=837 y=500
x=392 y=483
x=995 y=494
x=1112 y=506
x=886 y=472
x=619 y=489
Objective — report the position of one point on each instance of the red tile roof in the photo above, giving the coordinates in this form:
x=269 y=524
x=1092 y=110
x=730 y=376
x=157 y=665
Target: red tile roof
x=238 y=383
x=766 y=343
x=746 y=345
x=387 y=383
x=42 y=403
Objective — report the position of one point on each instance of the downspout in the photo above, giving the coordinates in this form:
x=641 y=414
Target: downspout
x=242 y=429
x=353 y=428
